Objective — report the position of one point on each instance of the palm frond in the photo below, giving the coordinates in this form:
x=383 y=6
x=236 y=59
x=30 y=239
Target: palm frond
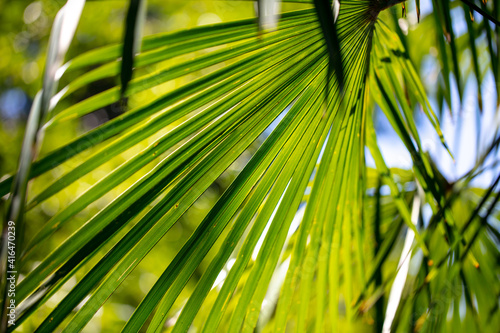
x=292 y=234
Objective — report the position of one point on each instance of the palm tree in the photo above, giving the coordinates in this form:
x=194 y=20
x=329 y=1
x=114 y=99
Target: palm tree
x=304 y=236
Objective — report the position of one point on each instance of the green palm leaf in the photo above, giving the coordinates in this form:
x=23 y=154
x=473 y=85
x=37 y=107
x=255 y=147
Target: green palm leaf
x=292 y=233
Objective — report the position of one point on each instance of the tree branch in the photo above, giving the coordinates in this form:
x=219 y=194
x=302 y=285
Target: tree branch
x=480 y=11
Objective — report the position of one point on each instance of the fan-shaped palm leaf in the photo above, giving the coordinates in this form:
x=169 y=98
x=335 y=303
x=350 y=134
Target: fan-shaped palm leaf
x=296 y=218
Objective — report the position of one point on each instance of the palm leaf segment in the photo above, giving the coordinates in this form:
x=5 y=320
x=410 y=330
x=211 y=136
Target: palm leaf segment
x=312 y=162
